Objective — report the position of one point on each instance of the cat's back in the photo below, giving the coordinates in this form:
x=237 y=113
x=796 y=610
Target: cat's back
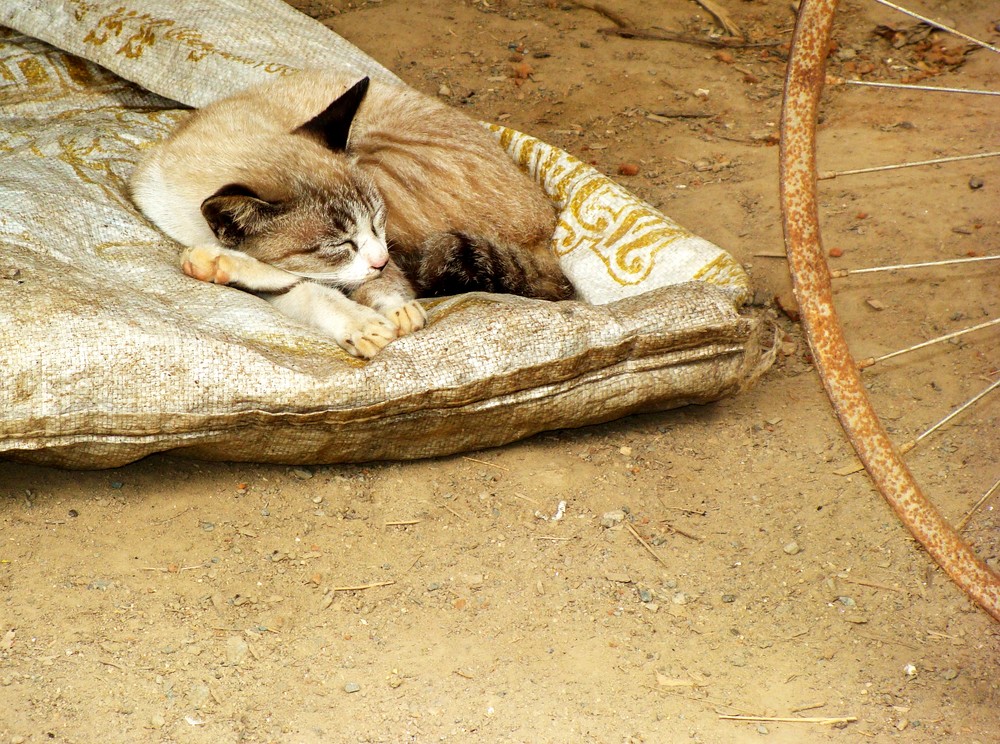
x=440 y=170
x=244 y=138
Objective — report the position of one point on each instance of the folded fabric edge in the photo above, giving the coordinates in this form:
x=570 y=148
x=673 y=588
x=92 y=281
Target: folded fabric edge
x=290 y=439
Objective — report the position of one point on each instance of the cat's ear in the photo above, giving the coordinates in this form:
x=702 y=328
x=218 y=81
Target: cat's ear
x=235 y=213
x=333 y=124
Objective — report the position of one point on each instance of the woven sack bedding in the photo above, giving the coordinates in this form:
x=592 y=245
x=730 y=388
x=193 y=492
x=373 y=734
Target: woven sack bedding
x=109 y=353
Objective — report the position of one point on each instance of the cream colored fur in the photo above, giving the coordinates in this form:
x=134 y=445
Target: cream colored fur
x=425 y=174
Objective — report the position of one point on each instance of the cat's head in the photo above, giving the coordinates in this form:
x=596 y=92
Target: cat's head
x=334 y=236
x=326 y=219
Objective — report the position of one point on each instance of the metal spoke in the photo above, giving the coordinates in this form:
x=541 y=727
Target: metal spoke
x=827 y=175
x=936 y=24
x=910 y=86
x=870 y=361
x=841 y=273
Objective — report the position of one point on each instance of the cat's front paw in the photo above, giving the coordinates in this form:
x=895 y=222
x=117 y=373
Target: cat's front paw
x=408 y=317
x=209 y=263
x=367 y=334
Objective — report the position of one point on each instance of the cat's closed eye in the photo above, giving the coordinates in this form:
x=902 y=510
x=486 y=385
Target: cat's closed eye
x=337 y=250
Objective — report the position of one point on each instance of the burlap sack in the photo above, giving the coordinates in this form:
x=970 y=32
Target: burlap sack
x=109 y=353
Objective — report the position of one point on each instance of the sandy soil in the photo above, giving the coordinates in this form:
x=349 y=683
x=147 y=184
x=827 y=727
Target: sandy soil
x=179 y=601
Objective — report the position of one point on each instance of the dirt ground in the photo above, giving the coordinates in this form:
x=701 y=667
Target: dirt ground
x=181 y=601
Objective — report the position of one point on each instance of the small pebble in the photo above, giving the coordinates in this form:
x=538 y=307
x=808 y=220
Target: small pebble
x=619 y=577
x=728 y=598
x=762 y=729
x=117 y=485
x=612 y=518
x=352 y=687
x=208 y=526
x=792 y=548
x=975 y=182
x=302 y=473
x=847 y=601
x=628 y=169
x=236 y=650
x=73 y=513
x=444 y=91
x=522 y=71
x=949 y=674
x=645 y=595
x=157 y=721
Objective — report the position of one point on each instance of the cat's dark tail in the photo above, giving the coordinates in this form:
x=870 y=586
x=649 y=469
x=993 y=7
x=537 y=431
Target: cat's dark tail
x=453 y=263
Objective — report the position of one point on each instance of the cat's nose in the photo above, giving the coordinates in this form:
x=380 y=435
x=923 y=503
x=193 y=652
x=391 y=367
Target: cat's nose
x=379 y=263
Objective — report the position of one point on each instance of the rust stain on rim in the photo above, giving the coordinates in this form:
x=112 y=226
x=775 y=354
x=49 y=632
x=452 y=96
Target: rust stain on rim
x=811 y=283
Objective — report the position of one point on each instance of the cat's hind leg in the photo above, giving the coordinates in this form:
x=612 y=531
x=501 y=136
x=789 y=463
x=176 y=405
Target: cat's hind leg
x=452 y=263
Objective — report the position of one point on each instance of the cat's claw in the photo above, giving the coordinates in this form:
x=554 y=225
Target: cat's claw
x=208 y=263
x=408 y=318
x=360 y=331
x=369 y=340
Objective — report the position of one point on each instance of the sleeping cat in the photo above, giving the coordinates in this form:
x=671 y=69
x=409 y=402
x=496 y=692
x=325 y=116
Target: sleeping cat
x=340 y=200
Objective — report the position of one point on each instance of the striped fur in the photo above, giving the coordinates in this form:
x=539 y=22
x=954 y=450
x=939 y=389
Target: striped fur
x=421 y=200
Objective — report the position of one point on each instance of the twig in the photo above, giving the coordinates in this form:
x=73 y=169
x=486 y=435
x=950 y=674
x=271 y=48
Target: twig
x=888 y=640
x=644 y=544
x=525 y=498
x=484 y=462
x=720 y=15
x=462 y=674
x=554 y=539
x=808 y=706
x=790 y=719
x=872 y=584
x=770 y=255
x=658 y=34
x=965 y=520
x=445 y=506
x=402 y=522
x=679 y=531
x=164 y=521
x=701 y=513
x=665 y=116
x=110 y=664
x=827 y=175
x=611 y=15
x=361 y=587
